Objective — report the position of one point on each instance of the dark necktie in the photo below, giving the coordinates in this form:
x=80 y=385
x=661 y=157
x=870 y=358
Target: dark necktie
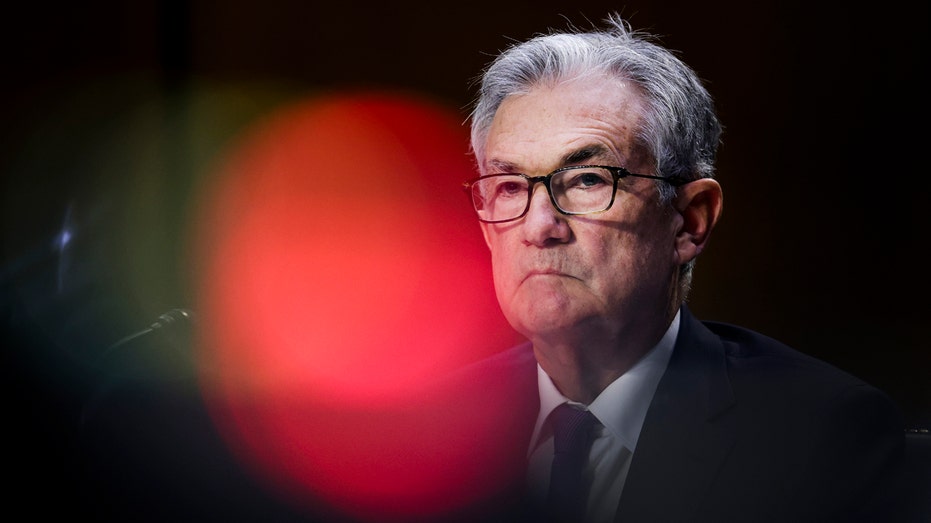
x=572 y=429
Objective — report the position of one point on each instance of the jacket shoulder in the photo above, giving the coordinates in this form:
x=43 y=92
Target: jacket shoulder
x=748 y=351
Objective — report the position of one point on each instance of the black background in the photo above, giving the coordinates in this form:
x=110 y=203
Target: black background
x=822 y=243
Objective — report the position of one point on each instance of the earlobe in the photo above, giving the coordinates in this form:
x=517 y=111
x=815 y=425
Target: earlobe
x=700 y=204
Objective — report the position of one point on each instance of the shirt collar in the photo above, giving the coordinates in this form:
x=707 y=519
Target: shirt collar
x=623 y=405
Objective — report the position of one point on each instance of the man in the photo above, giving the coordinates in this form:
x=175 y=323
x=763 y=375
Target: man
x=596 y=152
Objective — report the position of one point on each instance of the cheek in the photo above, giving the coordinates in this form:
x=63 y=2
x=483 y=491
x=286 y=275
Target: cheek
x=626 y=257
x=503 y=269
x=653 y=256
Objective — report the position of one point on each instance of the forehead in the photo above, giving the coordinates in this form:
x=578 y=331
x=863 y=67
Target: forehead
x=542 y=129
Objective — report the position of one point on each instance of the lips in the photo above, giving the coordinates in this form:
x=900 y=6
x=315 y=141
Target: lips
x=544 y=272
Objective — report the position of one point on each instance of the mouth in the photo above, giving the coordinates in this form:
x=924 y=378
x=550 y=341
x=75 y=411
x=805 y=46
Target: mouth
x=545 y=273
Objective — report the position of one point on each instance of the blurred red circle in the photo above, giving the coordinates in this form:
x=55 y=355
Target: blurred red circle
x=341 y=272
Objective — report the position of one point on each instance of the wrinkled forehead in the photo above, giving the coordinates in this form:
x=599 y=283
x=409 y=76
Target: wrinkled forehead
x=570 y=122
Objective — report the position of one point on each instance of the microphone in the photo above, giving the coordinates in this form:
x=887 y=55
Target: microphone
x=163 y=349
x=168 y=323
x=156 y=361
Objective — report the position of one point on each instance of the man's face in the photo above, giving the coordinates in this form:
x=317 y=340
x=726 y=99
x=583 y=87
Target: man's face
x=564 y=277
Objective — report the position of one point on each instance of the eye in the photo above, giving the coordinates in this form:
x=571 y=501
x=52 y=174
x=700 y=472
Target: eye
x=586 y=179
x=590 y=179
x=508 y=188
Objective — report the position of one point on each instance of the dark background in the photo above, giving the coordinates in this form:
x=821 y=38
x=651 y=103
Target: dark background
x=111 y=109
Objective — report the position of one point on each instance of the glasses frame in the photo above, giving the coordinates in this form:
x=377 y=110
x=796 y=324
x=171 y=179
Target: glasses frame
x=616 y=173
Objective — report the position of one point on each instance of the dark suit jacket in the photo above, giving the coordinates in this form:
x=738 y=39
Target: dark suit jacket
x=741 y=428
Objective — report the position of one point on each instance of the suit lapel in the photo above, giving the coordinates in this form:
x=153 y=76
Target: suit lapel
x=687 y=433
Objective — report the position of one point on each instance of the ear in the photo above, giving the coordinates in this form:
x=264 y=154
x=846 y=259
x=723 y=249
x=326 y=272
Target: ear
x=699 y=203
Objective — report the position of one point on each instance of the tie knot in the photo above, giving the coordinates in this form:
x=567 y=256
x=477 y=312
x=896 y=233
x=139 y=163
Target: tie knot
x=572 y=429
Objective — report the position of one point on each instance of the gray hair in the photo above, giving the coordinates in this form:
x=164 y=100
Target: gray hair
x=679 y=128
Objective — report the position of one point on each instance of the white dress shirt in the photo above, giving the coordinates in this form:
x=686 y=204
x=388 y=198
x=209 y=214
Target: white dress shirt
x=620 y=410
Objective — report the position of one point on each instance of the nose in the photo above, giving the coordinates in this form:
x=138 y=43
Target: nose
x=544 y=224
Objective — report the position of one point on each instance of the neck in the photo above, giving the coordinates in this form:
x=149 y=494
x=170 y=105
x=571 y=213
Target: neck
x=583 y=366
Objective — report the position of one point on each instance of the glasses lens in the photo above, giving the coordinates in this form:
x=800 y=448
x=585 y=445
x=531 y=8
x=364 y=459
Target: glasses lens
x=583 y=190
x=500 y=197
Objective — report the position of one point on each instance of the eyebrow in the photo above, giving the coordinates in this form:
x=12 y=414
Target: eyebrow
x=501 y=166
x=584 y=154
x=577 y=156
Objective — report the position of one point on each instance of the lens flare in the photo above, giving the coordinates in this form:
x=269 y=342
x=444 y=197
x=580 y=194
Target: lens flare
x=340 y=273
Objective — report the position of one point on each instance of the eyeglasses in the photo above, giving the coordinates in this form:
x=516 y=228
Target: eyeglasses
x=577 y=189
